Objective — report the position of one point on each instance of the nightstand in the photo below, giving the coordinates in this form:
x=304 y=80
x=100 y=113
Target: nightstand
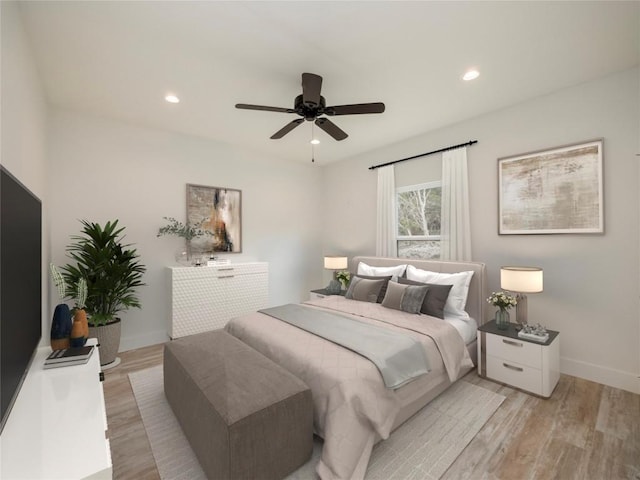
x=322 y=292
x=524 y=364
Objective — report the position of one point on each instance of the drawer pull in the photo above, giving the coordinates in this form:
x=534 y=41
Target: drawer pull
x=512 y=343
x=517 y=369
x=227 y=276
x=225 y=269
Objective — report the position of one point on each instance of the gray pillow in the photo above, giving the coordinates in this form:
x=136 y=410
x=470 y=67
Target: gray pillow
x=383 y=290
x=405 y=297
x=434 y=300
x=364 y=290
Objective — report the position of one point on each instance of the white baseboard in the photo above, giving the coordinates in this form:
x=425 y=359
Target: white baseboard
x=153 y=338
x=628 y=381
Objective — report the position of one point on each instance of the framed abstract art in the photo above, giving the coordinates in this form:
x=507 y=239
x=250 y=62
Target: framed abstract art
x=559 y=190
x=217 y=211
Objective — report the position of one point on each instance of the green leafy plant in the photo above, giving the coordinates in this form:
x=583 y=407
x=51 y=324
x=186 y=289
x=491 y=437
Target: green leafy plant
x=502 y=300
x=188 y=232
x=343 y=277
x=107 y=268
x=58 y=281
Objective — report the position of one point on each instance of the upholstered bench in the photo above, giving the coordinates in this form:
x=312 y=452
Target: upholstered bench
x=245 y=417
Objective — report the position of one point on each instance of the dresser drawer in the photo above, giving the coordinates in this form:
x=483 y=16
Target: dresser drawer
x=515 y=374
x=512 y=350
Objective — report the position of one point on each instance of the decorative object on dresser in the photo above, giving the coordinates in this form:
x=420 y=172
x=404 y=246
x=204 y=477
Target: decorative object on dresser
x=529 y=365
x=335 y=263
x=112 y=273
x=204 y=299
x=521 y=280
x=554 y=191
x=188 y=232
x=61 y=322
x=504 y=302
x=219 y=211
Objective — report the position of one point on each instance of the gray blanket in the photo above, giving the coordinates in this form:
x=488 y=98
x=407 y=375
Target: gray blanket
x=398 y=357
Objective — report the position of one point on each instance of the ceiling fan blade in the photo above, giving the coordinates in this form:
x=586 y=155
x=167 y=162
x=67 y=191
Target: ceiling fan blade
x=356 y=109
x=287 y=128
x=331 y=128
x=245 y=106
x=311 y=85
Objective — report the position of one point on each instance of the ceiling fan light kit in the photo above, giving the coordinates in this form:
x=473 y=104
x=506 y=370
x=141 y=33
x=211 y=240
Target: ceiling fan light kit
x=311 y=106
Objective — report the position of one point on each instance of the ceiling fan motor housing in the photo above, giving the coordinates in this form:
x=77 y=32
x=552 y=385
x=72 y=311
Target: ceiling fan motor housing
x=309 y=111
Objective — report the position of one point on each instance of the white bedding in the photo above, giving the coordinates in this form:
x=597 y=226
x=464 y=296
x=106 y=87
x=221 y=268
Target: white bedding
x=466 y=328
x=352 y=408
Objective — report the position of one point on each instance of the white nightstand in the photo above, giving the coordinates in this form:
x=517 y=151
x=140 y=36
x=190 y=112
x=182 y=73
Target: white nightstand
x=524 y=364
x=322 y=292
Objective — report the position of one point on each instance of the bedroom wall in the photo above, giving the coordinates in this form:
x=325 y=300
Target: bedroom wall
x=591 y=282
x=102 y=169
x=23 y=122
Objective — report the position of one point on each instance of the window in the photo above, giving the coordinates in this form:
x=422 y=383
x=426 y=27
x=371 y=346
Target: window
x=418 y=228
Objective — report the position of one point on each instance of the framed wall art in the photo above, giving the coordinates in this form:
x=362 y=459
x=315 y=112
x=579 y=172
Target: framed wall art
x=218 y=212
x=552 y=191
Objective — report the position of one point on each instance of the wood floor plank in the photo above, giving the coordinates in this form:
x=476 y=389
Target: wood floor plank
x=585 y=431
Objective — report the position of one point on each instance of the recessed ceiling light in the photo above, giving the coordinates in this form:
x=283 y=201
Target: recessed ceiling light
x=471 y=75
x=315 y=141
x=172 y=99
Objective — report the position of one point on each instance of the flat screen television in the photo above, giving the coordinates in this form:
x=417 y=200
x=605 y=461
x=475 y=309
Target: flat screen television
x=20 y=285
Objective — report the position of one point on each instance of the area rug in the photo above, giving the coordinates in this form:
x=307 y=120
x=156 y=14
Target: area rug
x=423 y=448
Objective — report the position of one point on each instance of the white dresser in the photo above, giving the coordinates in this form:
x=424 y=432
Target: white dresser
x=521 y=363
x=58 y=426
x=206 y=298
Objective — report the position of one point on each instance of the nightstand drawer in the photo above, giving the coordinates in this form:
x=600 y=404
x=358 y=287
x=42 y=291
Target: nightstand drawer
x=512 y=350
x=514 y=374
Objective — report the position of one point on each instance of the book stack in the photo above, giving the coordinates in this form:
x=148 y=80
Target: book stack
x=68 y=356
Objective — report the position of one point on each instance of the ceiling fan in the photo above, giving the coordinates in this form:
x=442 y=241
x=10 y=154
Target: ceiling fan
x=311 y=106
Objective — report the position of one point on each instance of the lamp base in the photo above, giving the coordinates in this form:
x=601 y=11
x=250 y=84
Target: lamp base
x=521 y=309
x=334 y=287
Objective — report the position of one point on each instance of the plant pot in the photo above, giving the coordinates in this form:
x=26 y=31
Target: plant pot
x=109 y=339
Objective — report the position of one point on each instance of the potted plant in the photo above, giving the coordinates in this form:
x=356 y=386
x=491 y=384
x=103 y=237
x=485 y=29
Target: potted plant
x=112 y=273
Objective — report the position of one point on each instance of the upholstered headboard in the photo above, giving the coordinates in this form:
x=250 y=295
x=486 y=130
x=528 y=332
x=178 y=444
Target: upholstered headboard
x=476 y=300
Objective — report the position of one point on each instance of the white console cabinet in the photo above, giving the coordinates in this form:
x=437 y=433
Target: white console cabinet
x=57 y=427
x=206 y=298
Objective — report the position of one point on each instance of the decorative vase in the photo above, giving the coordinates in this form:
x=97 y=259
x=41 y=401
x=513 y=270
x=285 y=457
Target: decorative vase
x=502 y=319
x=61 y=327
x=109 y=340
x=79 y=329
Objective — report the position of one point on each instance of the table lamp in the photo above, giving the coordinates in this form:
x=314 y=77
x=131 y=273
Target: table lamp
x=335 y=263
x=521 y=280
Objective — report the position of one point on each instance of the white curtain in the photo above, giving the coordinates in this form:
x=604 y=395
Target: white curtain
x=455 y=229
x=386 y=213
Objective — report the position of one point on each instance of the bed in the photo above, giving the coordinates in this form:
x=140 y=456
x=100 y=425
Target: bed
x=353 y=409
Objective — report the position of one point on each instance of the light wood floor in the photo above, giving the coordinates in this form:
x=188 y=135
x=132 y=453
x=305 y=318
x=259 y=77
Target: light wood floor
x=584 y=431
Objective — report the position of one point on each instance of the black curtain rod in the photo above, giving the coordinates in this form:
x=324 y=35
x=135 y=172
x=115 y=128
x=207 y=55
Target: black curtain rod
x=470 y=142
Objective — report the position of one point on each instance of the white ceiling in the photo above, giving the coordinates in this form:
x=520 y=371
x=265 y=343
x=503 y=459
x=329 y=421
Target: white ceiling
x=119 y=59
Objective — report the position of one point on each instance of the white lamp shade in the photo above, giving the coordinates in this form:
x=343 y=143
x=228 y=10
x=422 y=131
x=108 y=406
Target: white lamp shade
x=521 y=279
x=335 y=263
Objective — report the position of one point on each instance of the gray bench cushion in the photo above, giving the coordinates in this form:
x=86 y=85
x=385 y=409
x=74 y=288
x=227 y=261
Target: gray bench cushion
x=244 y=416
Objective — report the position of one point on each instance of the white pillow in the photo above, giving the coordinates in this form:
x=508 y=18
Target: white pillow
x=457 y=298
x=395 y=272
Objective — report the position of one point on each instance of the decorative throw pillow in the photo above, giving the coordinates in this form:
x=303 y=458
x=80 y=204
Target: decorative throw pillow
x=364 y=290
x=404 y=297
x=435 y=298
x=383 y=290
x=457 y=299
x=396 y=271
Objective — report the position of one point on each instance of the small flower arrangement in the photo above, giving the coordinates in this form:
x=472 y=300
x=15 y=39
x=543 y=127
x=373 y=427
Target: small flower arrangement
x=502 y=300
x=343 y=277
